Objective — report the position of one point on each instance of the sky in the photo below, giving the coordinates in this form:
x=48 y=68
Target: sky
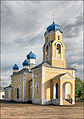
x=23 y=24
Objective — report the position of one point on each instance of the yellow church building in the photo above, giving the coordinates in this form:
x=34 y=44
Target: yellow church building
x=51 y=82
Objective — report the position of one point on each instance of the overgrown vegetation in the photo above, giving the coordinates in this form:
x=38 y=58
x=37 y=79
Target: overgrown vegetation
x=79 y=90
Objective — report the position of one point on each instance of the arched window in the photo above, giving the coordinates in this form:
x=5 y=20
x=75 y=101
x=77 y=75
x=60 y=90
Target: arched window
x=58 y=37
x=59 y=48
x=20 y=88
x=47 y=50
x=15 y=90
x=37 y=87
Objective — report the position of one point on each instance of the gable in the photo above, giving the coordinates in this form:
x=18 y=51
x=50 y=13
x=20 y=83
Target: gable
x=67 y=76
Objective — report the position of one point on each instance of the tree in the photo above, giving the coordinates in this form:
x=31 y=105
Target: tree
x=79 y=89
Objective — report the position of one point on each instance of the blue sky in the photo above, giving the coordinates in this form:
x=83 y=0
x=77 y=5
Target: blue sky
x=23 y=24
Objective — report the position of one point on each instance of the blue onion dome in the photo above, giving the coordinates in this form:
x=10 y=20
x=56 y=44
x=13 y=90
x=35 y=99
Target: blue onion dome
x=25 y=63
x=54 y=27
x=15 y=67
x=31 y=55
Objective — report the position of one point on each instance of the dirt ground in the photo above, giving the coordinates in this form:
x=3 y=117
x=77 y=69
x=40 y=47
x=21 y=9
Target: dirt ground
x=12 y=110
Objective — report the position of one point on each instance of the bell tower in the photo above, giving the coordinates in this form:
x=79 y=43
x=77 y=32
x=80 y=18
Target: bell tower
x=54 y=48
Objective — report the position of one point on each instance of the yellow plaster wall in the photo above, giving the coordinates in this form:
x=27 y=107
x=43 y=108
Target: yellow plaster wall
x=30 y=90
x=28 y=77
x=58 y=63
x=55 y=61
x=56 y=35
x=49 y=74
x=20 y=78
x=37 y=79
x=51 y=36
x=16 y=83
x=68 y=91
x=6 y=93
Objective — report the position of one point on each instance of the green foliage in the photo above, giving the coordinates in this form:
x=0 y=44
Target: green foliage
x=79 y=89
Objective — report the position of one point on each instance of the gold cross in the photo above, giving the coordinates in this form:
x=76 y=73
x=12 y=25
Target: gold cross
x=53 y=16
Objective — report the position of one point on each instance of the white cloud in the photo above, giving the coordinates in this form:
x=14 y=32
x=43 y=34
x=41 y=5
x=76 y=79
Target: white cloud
x=23 y=24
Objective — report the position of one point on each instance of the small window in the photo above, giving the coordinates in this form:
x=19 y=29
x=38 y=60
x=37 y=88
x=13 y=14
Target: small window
x=17 y=81
x=37 y=87
x=47 y=38
x=59 y=48
x=2 y=96
x=20 y=88
x=47 y=48
x=15 y=90
x=37 y=74
x=58 y=37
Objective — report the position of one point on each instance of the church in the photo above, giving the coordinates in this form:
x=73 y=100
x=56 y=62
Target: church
x=51 y=82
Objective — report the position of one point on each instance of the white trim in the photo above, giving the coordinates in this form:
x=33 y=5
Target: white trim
x=28 y=73
x=42 y=87
x=58 y=59
x=37 y=69
x=9 y=93
x=37 y=84
x=47 y=44
x=56 y=50
x=20 y=100
x=27 y=67
x=66 y=91
x=61 y=101
x=37 y=87
x=71 y=90
x=74 y=74
x=15 y=90
x=53 y=76
x=56 y=68
x=15 y=70
x=54 y=91
x=67 y=79
x=35 y=76
x=52 y=52
x=36 y=101
x=32 y=85
x=53 y=71
x=24 y=86
x=66 y=75
x=20 y=89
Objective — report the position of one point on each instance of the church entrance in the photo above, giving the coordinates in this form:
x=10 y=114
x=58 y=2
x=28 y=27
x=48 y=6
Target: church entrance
x=17 y=93
x=56 y=90
x=67 y=92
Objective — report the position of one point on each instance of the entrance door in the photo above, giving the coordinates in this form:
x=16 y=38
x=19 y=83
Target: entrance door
x=17 y=93
x=56 y=90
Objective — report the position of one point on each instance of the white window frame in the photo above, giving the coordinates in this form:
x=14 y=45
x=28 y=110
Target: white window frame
x=15 y=90
x=37 y=89
x=20 y=89
x=17 y=81
x=59 y=36
x=48 y=51
x=56 y=49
